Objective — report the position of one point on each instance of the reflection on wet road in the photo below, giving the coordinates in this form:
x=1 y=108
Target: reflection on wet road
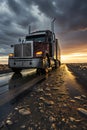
x=19 y=79
x=74 y=88
x=11 y=80
x=4 y=78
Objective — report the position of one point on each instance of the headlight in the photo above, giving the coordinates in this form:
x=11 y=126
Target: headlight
x=39 y=53
x=11 y=55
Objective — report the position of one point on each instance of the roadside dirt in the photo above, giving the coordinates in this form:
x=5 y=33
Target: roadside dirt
x=4 y=69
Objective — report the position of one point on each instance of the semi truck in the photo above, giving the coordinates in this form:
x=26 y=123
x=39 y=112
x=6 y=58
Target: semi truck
x=39 y=49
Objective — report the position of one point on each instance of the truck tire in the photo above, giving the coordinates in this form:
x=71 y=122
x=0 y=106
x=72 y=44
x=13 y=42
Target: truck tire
x=16 y=70
x=42 y=71
x=57 y=64
x=48 y=59
x=38 y=71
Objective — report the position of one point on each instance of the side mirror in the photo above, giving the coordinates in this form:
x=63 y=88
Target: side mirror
x=19 y=40
x=12 y=45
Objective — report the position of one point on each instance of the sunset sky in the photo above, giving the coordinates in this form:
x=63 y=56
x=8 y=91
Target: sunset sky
x=70 y=25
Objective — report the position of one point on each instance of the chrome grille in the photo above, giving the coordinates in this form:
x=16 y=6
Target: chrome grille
x=23 y=50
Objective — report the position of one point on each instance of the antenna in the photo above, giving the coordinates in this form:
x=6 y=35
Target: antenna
x=52 y=24
x=53 y=36
x=29 y=31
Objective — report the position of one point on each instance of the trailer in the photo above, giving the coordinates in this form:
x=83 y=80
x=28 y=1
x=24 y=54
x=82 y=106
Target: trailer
x=38 y=50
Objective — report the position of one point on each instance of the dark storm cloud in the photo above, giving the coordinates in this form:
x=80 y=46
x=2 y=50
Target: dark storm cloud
x=78 y=15
x=22 y=15
x=12 y=23
x=14 y=6
x=71 y=15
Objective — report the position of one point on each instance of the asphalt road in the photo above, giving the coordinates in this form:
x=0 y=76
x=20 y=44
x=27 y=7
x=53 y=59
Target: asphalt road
x=57 y=103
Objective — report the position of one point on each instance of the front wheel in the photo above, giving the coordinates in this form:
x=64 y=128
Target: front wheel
x=42 y=71
x=57 y=64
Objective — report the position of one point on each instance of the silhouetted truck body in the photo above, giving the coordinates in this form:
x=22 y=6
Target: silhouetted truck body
x=39 y=50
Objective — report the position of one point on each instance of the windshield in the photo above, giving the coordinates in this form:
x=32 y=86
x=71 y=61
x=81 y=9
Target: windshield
x=36 y=38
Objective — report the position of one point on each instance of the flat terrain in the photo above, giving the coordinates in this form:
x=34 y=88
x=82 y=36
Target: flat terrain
x=57 y=103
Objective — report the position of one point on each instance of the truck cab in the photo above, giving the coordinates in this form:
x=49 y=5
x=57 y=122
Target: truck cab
x=35 y=51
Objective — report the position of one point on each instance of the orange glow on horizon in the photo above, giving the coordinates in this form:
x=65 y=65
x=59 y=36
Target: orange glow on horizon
x=74 y=58
x=3 y=59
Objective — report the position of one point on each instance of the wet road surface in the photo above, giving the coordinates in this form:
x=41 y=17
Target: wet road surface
x=53 y=104
x=12 y=80
x=9 y=82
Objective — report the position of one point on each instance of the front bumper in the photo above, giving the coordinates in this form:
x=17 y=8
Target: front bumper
x=26 y=63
